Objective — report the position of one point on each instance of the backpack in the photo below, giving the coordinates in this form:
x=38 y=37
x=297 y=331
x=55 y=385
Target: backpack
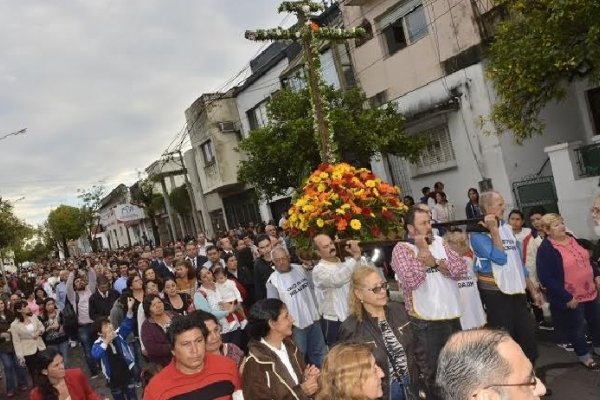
x=71 y=323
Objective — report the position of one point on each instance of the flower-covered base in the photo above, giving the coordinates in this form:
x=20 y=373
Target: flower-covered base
x=348 y=203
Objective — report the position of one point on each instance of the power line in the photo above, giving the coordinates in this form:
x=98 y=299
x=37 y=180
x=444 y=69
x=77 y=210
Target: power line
x=19 y=132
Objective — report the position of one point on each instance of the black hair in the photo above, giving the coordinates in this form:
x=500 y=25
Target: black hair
x=168 y=252
x=204 y=316
x=45 y=387
x=19 y=305
x=261 y=238
x=228 y=256
x=181 y=324
x=261 y=313
x=149 y=371
x=211 y=248
x=537 y=210
x=102 y=280
x=425 y=190
x=518 y=212
x=219 y=271
x=438 y=185
x=408 y=200
x=98 y=323
x=147 y=301
x=131 y=278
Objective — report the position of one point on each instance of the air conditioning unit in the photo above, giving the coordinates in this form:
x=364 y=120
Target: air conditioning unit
x=227 y=127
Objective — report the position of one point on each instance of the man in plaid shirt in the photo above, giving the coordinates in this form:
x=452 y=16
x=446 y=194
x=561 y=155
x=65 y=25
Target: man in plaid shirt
x=427 y=271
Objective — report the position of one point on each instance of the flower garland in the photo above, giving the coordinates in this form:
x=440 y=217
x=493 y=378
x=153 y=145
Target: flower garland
x=346 y=202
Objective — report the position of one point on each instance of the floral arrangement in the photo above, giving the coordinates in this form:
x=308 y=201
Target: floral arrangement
x=346 y=202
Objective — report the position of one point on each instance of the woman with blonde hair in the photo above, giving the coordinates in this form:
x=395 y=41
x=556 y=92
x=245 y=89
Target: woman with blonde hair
x=350 y=372
x=564 y=269
x=375 y=319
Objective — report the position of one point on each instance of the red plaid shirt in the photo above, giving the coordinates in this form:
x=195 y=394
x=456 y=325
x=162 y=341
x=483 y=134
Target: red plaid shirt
x=411 y=272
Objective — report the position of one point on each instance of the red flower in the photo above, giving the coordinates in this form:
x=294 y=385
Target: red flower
x=312 y=232
x=367 y=212
x=386 y=214
x=323 y=167
x=375 y=231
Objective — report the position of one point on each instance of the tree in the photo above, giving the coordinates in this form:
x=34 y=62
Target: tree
x=543 y=46
x=92 y=201
x=66 y=224
x=180 y=200
x=143 y=195
x=283 y=153
x=13 y=231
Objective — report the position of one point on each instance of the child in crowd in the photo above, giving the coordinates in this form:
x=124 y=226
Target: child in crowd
x=229 y=293
x=472 y=313
x=115 y=355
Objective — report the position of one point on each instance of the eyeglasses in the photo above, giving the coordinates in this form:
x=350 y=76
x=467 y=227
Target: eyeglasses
x=377 y=289
x=533 y=380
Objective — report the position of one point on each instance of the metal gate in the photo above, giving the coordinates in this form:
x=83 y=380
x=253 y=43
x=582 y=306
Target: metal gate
x=399 y=171
x=536 y=191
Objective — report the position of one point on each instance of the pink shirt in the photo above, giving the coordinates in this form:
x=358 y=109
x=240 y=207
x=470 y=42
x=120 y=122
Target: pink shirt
x=579 y=276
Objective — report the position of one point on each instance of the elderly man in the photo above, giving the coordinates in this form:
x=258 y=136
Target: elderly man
x=291 y=284
x=331 y=277
x=486 y=365
x=193 y=373
x=428 y=271
x=202 y=244
x=502 y=277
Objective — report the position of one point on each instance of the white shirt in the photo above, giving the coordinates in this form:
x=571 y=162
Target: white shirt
x=332 y=285
x=284 y=357
x=228 y=291
x=294 y=289
x=202 y=248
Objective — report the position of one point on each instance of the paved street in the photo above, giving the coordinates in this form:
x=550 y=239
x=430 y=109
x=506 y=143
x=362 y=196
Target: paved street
x=558 y=368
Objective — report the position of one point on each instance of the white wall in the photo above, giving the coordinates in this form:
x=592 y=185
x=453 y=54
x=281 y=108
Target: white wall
x=477 y=153
x=260 y=90
x=575 y=196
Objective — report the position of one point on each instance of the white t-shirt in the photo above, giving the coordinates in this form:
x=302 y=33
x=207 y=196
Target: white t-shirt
x=229 y=291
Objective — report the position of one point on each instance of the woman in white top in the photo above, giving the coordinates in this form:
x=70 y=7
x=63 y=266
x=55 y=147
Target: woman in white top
x=26 y=331
x=443 y=211
x=274 y=368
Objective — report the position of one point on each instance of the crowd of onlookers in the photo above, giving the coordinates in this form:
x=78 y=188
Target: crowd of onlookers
x=242 y=316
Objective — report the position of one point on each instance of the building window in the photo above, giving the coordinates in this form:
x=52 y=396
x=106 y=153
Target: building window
x=208 y=153
x=379 y=99
x=257 y=116
x=594 y=102
x=439 y=153
x=366 y=25
x=403 y=25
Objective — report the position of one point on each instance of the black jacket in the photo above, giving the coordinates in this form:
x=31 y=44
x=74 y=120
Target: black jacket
x=367 y=331
x=262 y=271
x=101 y=306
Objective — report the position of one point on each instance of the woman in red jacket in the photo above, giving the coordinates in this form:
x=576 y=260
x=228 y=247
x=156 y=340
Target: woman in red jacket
x=58 y=383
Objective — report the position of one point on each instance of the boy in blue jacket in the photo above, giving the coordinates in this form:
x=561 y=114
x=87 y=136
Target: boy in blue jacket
x=115 y=355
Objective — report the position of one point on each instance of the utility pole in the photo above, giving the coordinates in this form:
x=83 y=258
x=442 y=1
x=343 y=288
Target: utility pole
x=169 y=209
x=308 y=32
x=188 y=185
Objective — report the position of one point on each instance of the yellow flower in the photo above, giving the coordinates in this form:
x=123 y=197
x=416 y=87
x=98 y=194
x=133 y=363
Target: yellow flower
x=321 y=187
x=340 y=211
x=320 y=222
x=301 y=201
x=324 y=175
x=315 y=179
x=355 y=224
x=345 y=206
x=370 y=183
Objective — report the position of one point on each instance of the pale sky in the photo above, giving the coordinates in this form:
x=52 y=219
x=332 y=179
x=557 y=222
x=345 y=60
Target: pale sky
x=102 y=86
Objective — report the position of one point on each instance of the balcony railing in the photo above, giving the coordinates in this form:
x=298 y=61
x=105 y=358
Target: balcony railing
x=588 y=159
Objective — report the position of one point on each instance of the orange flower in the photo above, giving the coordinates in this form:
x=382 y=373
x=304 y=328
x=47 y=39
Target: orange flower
x=341 y=225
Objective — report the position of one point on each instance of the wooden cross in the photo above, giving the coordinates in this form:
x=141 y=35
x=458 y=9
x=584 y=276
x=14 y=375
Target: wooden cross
x=310 y=34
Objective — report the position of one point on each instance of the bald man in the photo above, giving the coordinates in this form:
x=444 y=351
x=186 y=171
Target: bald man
x=486 y=365
x=331 y=277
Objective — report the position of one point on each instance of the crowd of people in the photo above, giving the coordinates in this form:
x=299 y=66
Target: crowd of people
x=242 y=316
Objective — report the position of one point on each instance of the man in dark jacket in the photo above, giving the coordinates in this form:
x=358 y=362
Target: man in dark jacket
x=263 y=267
x=102 y=300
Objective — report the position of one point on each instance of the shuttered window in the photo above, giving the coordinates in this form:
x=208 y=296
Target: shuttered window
x=402 y=25
x=439 y=153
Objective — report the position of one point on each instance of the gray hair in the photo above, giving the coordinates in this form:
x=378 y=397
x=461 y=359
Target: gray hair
x=469 y=361
x=486 y=199
x=278 y=250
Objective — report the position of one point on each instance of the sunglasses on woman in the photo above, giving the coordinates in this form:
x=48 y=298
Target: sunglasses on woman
x=377 y=289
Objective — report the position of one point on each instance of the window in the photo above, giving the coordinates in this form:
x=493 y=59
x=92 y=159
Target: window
x=257 y=116
x=594 y=102
x=379 y=99
x=403 y=25
x=366 y=25
x=439 y=153
x=208 y=153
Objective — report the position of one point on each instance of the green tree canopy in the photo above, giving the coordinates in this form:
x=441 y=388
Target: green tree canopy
x=180 y=200
x=542 y=47
x=92 y=201
x=12 y=230
x=283 y=153
x=142 y=194
x=66 y=224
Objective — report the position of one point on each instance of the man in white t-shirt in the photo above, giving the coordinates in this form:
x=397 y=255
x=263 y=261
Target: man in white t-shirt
x=331 y=277
x=291 y=283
